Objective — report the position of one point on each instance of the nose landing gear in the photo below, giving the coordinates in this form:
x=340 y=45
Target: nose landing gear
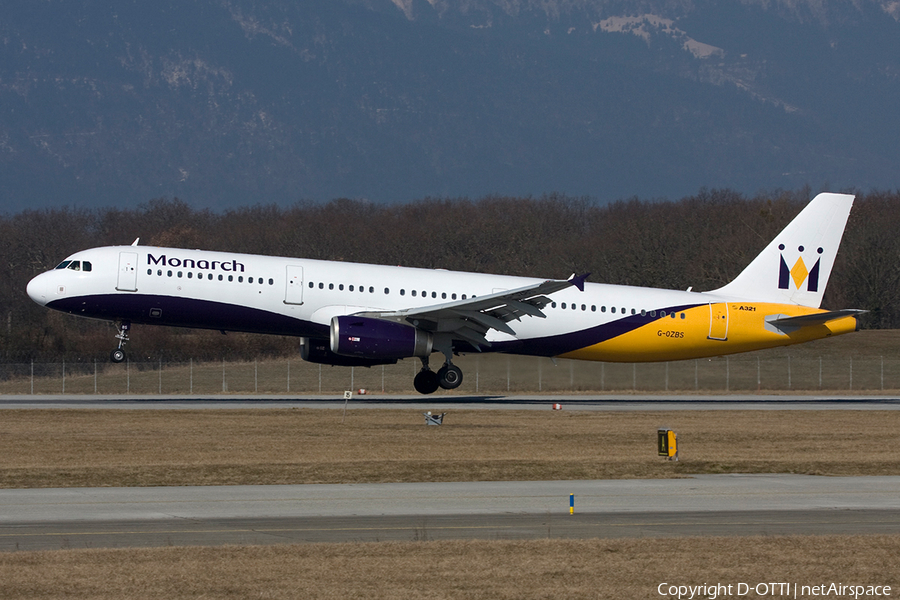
x=118 y=355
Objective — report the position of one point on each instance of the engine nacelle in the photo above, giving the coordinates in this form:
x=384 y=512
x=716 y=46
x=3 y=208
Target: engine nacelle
x=376 y=339
x=316 y=351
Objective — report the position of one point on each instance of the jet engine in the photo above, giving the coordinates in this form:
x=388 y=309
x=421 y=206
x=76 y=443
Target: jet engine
x=316 y=351
x=363 y=337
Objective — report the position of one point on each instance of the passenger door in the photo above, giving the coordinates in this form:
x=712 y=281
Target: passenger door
x=718 y=321
x=127 y=281
x=294 y=292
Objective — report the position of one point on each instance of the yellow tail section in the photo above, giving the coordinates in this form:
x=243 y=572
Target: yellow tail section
x=712 y=330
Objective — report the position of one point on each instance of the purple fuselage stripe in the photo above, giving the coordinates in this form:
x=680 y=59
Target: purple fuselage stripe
x=186 y=312
x=205 y=314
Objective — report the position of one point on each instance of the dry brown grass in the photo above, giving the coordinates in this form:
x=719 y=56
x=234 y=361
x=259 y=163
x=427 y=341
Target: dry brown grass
x=66 y=448
x=558 y=569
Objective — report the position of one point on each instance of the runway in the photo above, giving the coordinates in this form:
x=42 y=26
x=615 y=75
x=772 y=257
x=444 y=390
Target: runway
x=444 y=402
x=729 y=505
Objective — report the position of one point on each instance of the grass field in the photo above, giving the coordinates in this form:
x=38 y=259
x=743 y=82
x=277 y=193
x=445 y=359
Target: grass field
x=547 y=569
x=66 y=448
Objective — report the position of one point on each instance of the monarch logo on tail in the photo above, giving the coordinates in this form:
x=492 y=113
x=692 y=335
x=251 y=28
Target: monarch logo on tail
x=799 y=273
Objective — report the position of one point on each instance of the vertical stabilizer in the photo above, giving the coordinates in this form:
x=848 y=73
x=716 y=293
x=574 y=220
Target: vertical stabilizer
x=794 y=268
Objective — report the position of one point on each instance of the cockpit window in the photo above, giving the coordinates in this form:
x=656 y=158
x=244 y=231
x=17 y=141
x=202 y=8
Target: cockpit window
x=75 y=265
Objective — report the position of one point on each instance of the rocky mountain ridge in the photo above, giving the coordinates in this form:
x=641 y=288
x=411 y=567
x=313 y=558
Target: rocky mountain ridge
x=234 y=102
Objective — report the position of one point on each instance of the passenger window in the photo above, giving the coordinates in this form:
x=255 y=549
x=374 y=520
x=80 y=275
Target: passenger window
x=231 y=278
x=149 y=271
x=444 y=296
x=249 y=280
x=330 y=286
x=311 y=285
x=271 y=281
x=159 y=272
x=209 y=276
x=602 y=309
x=682 y=315
x=612 y=309
x=463 y=296
x=190 y=275
x=321 y=286
x=387 y=291
x=583 y=307
x=350 y=289
x=593 y=308
x=563 y=305
x=169 y=273
x=220 y=277
x=434 y=294
x=402 y=292
x=341 y=287
x=662 y=313
x=414 y=293
x=240 y=279
x=453 y=296
x=179 y=274
x=371 y=290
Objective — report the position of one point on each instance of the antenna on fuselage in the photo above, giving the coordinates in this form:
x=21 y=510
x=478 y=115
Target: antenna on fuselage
x=135 y=242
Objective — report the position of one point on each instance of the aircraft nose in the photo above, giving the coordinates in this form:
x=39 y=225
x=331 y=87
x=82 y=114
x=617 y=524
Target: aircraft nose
x=38 y=289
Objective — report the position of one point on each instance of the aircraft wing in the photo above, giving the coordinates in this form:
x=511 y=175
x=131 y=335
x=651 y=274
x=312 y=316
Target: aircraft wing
x=471 y=319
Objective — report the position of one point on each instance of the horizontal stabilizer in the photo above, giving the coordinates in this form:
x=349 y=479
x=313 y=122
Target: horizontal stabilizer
x=786 y=323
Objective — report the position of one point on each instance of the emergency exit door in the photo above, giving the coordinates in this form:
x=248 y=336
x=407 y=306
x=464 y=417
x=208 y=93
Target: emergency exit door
x=127 y=281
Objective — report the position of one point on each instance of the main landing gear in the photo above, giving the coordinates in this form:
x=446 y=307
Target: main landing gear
x=448 y=377
x=118 y=355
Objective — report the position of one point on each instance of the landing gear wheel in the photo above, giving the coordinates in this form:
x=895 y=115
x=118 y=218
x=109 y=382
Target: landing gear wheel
x=426 y=382
x=450 y=377
x=122 y=328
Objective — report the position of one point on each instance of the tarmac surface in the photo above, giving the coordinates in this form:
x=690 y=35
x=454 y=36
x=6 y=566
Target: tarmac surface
x=443 y=402
x=727 y=505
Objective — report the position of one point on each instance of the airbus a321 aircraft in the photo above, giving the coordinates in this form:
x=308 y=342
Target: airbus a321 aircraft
x=365 y=315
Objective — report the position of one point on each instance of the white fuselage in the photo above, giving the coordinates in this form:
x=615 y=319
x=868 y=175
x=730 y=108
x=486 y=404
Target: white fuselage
x=292 y=296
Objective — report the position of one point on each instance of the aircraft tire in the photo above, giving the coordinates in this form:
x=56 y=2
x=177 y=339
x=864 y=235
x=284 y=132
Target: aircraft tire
x=117 y=355
x=450 y=377
x=426 y=382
